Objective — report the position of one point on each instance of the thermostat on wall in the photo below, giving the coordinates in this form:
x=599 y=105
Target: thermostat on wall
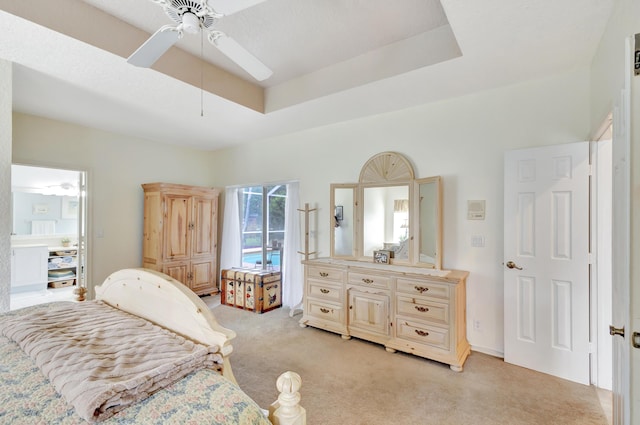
x=475 y=210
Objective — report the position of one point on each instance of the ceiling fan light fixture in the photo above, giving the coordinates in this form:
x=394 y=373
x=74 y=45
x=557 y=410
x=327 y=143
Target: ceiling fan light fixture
x=190 y=23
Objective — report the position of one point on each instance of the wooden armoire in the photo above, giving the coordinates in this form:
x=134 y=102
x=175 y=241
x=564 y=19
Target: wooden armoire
x=180 y=234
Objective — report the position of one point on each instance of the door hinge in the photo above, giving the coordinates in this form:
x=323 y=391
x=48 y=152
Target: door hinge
x=590 y=258
x=591 y=350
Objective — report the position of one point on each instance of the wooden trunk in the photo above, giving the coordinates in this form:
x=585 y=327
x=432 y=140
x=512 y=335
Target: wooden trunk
x=252 y=289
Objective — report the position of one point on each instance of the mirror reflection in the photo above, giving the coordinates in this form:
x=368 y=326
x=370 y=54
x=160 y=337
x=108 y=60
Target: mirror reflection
x=386 y=220
x=428 y=213
x=343 y=222
x=44 y=201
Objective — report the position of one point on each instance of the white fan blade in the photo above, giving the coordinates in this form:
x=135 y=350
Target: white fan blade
x=242 y=57
x=147 y=54
x=228 y=7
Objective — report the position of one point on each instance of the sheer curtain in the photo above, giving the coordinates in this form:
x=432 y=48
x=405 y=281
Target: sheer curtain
x=231 y=251
x=292 y=287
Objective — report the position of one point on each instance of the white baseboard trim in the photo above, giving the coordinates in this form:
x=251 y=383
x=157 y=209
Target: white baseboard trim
x=488 y=351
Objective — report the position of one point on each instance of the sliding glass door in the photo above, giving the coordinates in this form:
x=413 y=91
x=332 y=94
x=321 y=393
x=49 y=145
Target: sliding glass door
x=262 y=211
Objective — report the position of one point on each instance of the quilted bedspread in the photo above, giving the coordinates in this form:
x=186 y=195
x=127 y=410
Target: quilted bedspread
x=202 y=397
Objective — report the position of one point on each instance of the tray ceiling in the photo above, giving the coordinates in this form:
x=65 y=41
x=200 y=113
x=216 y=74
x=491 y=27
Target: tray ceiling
x=333 y=60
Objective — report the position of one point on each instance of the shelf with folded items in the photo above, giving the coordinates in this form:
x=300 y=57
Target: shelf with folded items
x=62 y=267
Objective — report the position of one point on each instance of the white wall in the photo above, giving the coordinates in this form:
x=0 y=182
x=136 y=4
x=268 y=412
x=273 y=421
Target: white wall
x=5 y=182
x=117 y=165
x=461 y=139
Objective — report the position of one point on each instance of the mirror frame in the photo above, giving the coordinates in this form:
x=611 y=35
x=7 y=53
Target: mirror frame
x=383 y=170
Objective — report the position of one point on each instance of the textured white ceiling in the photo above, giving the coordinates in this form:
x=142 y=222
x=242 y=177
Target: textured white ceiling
x=297 y=37
x=334 y=60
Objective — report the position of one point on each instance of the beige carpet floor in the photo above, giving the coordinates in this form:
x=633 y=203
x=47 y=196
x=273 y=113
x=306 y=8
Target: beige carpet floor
x=358 y=383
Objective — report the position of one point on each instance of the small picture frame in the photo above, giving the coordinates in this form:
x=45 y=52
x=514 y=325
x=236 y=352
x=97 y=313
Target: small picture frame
x=381 y=256
x=69 y=207
x=39 y=209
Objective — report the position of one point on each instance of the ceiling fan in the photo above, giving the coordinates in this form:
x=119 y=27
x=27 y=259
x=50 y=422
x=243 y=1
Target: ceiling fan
x=193 y=16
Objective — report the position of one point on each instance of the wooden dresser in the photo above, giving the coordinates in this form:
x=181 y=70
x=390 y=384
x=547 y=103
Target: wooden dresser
x=180 y=234
x=414 y=310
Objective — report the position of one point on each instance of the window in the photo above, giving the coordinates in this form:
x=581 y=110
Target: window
x=262 y=213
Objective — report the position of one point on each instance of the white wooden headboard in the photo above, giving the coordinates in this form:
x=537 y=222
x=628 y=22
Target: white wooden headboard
x=166 y=302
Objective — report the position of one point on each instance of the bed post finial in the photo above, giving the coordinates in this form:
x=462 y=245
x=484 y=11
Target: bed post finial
x=287 y=410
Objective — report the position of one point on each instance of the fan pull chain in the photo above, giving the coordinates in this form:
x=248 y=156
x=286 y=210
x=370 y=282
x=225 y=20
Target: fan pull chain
x=201 y=73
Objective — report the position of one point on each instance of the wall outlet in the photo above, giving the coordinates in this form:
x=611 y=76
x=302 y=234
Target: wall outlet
x=476 y=325
x=477 y=241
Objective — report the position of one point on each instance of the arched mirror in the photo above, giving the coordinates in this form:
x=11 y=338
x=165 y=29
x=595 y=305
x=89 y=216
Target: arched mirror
x=388 y=210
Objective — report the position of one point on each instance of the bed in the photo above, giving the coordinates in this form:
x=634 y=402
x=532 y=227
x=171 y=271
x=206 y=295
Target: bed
x=157 y=355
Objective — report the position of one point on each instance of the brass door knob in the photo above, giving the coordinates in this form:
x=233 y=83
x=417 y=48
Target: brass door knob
x=512 y=265
x=616 y=331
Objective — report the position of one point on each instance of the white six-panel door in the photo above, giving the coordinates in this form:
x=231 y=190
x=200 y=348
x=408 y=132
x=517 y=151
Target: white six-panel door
x=546 y=248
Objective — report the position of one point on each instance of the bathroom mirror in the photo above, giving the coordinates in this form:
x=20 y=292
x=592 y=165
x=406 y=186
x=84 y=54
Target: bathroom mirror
x=388 y=210
x=44 y=201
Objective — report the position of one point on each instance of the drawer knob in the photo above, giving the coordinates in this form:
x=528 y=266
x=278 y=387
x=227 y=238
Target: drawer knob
x=421 y=333
x=324 y=274
x=421 y=289
x=324 y=291
x=324 y=310
x=421 y=309
x=366 y=280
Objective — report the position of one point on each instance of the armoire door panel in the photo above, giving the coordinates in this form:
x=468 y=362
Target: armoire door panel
x=203 y=226
x=201 y=276
x=178 y=235
x=178 y=271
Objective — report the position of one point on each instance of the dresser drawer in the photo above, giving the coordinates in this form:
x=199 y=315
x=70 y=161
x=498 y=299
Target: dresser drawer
x=424 y=288
x=325 y=311
x=335 y=275
x=422 y=309
x=423 y=334
x=366 y=279
x=324 y=290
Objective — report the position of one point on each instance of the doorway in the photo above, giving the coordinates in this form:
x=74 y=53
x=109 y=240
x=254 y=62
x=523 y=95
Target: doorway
x=48 y=211
x=601 y=269
x=589 y=292
x=601 y=228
